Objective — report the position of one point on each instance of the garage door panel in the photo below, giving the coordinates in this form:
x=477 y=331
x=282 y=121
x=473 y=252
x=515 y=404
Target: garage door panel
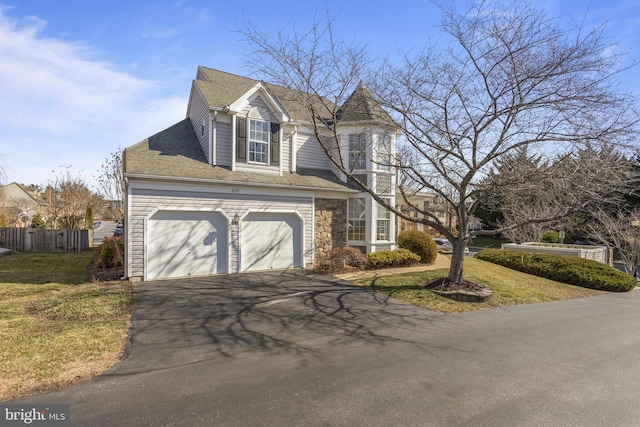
x=271 y=240
x=186 y=244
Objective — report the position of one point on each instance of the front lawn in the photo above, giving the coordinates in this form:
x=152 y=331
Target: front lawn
x=509 y=288
x=45 y=267
x=56 y=334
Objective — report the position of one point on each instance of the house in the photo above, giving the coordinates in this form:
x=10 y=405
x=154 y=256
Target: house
x=19 y=203
x=428 y=202
x=243 y=184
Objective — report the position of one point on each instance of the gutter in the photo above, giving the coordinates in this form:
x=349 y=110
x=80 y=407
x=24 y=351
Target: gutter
x=227 y=183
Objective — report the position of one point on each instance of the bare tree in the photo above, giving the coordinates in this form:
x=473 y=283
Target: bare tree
x=66 y=198
x=111 y=183
x=509 y=77
x=619 y=229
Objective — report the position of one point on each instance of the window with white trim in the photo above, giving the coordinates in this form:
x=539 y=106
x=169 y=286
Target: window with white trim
x=383 y=184
x=383 y=152
x=258 y=141
x=383 y=222
x=357 y=152
x=356 y=220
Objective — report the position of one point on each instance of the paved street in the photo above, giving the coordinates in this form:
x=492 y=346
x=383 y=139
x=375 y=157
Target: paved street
x=279 y=349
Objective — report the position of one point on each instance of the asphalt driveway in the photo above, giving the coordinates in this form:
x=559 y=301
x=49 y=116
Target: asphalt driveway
x=292 y=348
x=178 y=322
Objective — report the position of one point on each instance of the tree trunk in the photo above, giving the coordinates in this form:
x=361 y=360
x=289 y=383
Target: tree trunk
x=457 y=262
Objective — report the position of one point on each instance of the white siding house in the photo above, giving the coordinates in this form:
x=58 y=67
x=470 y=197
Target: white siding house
x=242 y=184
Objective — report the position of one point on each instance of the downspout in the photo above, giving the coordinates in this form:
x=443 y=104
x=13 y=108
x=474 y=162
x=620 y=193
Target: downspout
x=233 y=143
x=210 y=138
x=294 y=149
x=214 y=139
x=127 y=223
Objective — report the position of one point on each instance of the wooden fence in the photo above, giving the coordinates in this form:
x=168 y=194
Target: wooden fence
x=35 y=240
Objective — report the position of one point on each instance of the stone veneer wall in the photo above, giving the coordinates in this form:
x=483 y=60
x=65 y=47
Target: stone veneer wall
x=330 y=225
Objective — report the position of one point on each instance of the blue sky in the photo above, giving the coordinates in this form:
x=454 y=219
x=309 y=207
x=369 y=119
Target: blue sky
x=81 y=79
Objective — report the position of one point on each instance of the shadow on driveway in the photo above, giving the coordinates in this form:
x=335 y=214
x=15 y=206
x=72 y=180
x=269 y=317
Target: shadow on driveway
x=177 y=322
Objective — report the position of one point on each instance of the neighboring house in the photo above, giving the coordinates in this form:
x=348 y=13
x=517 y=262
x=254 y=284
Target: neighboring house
x=429 y=202
x=19 y=203
x=242 y=184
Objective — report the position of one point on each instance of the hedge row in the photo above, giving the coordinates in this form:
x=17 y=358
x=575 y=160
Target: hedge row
x=392 y=258
x=572 y=270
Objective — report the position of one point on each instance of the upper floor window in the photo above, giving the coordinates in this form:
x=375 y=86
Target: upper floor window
x=357 y=152
x=383 y=152
x=263 y=142
x=383 y=184
x=258 y=141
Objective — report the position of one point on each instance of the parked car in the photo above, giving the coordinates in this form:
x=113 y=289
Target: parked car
x=444 y=246
x=119 y=231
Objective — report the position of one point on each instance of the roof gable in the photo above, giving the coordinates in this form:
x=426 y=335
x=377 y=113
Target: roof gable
x=229 y=90
x=259 y=89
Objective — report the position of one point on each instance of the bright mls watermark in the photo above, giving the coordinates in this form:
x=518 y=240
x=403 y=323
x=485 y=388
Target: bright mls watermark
x=34 y=415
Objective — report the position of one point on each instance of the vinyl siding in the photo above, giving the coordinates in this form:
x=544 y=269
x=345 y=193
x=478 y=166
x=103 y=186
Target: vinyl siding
x=285 y=150
x=310 y=153
x=144 y=201
x=199 y=111
x=223 y=143
x=262 y=106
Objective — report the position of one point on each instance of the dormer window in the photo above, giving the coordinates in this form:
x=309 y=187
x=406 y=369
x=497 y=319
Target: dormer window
x=259 y=141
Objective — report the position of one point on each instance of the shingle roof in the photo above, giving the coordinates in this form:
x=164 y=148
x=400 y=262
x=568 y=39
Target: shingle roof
x=225 y=88
x=361 y=106
x=176 y=153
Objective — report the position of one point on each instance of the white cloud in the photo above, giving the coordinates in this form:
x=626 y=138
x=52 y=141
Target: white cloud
x=60 y=105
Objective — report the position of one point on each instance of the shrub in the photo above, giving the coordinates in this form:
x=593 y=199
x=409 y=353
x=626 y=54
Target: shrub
x=107 y=253
x=392 y=258
x=550 y=236
x=38 y=222
x=340 y=258
x=419 y=243
x=566 y=269
x=553 y=236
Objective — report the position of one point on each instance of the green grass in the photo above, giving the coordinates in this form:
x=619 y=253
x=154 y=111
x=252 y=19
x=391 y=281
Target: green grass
x=55 y=334
x=488 y=242
x=509 y=288
x=45 y=267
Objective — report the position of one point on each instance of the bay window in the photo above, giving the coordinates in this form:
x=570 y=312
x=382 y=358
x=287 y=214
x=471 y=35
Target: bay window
x=356 y=219
x=383 y=222
x=357 y=152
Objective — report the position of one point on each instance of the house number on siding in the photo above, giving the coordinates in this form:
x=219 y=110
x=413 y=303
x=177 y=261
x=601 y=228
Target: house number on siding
x=235 y=190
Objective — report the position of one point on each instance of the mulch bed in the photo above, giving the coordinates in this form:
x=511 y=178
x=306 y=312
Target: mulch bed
x=464 y=290
x=103 y=274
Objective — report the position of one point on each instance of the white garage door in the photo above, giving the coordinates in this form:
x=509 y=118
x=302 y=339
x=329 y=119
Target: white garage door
x=270 y=240
x=181 y=244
